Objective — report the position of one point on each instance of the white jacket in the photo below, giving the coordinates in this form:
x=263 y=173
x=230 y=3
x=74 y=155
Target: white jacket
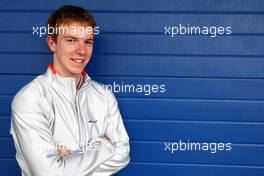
x=49 y=111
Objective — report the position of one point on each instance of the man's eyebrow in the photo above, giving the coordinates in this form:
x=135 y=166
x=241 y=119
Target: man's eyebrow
x=70 y=37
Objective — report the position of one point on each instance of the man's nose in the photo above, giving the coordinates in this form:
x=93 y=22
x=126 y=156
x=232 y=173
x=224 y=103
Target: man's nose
x=81 y=48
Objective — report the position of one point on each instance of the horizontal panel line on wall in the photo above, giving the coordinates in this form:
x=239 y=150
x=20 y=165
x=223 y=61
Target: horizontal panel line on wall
x=142 y=33
x=233 y=45
x=6 y=137
x=144 y=54
x=148 y=108
x=140 y=12
x=162 y=142
x=238 y=144
x=4 y=117
x=180 y=164
x=200 y=165
x=195 y=141
x=148 y=76
x=162 y=33
x=175 y=77
x=2 y=159
x=129 y=119
x=196 y=100
x=180 y=99
x=194 y=121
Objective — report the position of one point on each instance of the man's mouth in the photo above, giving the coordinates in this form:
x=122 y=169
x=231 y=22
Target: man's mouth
x=78 y=60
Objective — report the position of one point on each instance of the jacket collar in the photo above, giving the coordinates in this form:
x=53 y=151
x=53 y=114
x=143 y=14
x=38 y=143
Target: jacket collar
x=53 y=70
x=66 y=85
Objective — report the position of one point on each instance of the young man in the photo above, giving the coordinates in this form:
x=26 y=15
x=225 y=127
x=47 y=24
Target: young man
x=63 y=123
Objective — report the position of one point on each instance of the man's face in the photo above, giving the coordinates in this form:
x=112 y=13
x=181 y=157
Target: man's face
x=73 y=49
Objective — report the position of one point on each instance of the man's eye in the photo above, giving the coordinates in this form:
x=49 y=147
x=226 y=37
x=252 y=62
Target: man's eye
x=70 y=40
x=89 y=43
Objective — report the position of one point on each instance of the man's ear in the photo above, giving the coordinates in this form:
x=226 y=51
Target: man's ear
x=51 y=43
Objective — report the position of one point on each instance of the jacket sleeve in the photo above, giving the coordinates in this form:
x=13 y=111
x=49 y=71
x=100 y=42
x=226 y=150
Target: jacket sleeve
x=116 y=133
x=31 y=134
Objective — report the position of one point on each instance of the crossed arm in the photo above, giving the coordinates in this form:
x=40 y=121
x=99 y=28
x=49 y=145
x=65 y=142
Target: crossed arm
x=29 y=126
x=64 y=151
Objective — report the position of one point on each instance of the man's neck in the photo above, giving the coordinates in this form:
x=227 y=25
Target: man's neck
x=78 y=82
x=77 y=77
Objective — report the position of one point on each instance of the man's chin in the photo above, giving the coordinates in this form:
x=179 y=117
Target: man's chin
x=77 y=71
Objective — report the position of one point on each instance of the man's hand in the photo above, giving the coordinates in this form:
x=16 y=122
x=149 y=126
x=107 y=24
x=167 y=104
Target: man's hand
x=63 y=151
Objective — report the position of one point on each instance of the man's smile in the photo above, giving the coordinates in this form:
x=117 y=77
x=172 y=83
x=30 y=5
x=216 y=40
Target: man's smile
x=77 y=60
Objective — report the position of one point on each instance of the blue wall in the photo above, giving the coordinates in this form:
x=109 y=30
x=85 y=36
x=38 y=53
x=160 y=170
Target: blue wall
x=214 y=86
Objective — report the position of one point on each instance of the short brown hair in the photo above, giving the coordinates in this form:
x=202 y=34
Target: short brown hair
x=68 y=14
